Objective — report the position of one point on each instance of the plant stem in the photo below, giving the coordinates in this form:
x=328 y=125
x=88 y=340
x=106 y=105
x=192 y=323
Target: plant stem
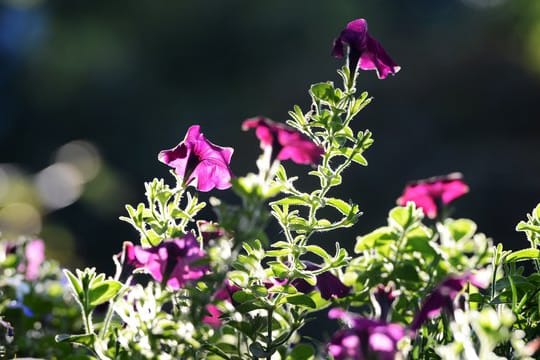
x=269 y=335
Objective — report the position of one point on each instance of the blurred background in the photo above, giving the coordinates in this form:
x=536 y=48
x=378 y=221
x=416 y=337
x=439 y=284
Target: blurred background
x=91 y=91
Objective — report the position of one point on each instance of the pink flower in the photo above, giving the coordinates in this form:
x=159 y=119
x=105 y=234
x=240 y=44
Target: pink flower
x=35 y=255
x=365 y=52
x=212 y=318
x=365 y=338
x=287 y=143
x=199 y=162
x=170 y=261
x=224 y=294
x=431 y=194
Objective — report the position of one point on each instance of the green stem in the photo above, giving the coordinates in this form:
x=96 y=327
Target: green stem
x=269 y=333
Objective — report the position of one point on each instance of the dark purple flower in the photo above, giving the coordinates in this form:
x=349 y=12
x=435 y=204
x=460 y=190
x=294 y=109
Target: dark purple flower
x=364 y=338
x=382 y=298
x=170 y=261
x=431 y=194
x=199 y=162
x=286 y=142
x=443 y=296
x=327 y=283
x=365 y=52
x=210 y=231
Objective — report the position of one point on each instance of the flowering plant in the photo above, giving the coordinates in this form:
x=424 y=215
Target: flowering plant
x=424 y=285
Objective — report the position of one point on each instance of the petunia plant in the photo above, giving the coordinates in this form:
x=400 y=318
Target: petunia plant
x=423 y=285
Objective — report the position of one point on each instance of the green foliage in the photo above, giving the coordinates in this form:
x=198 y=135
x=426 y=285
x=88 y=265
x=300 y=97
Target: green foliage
x=34 y=309
x=162 y=218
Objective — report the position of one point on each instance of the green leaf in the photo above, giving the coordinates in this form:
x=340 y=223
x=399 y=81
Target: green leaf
x=103 y=292
x=401 y=216
x=461 y=228
x=381 y=236
x=343 y=207
x=355 y=155
x=293 y=200
x=301 y=352
x=257 y=350
x=524 y=254
x=243 y=296
x=324 y=92
x=301 y=300
x=76 y=285
x=82 y=339
x=319 y=251
x=407 y=272
x=279 y=270
x=418 y=240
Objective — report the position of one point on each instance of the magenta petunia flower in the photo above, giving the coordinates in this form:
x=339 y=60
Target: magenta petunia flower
x=199 y=162
x=443 y=296
x=431 y=194
x=286 y=142
x=213 y=312
x=327 y=283
x=365 y=52
x=365 y=338
x=170 y=261
x=212 y=317
x=35 y=255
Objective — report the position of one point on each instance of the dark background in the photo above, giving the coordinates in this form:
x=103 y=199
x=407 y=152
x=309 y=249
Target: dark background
x=131 y=76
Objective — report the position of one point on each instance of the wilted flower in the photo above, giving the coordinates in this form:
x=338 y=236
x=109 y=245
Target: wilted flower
x=170 y=261
x=327 y=283
x=443 y=296
x=365 y=338
x=199 y=162
x=286 y=142
x=431 y=194
x=365 y=52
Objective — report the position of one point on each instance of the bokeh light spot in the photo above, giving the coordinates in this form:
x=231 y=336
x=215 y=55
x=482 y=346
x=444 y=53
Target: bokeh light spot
x=59 y=185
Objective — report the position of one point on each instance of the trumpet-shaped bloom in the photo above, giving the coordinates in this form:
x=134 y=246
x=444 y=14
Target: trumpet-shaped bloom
x=286 y=142
x=431 y=194
x=365 y=52
x=170 y=261
x=365 y=338
x=199 y=162
x=443 y=296
x=327 y=283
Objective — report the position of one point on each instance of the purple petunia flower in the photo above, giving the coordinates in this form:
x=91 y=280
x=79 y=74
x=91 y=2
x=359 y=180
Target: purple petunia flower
x=199 y=162
x=170 y=261
x=286 y=142
x=365 y=338
x=443 y=296
x=431 y=194
x=365 y=52
x=210 y=231
x=327 y=283
x=382 y=298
